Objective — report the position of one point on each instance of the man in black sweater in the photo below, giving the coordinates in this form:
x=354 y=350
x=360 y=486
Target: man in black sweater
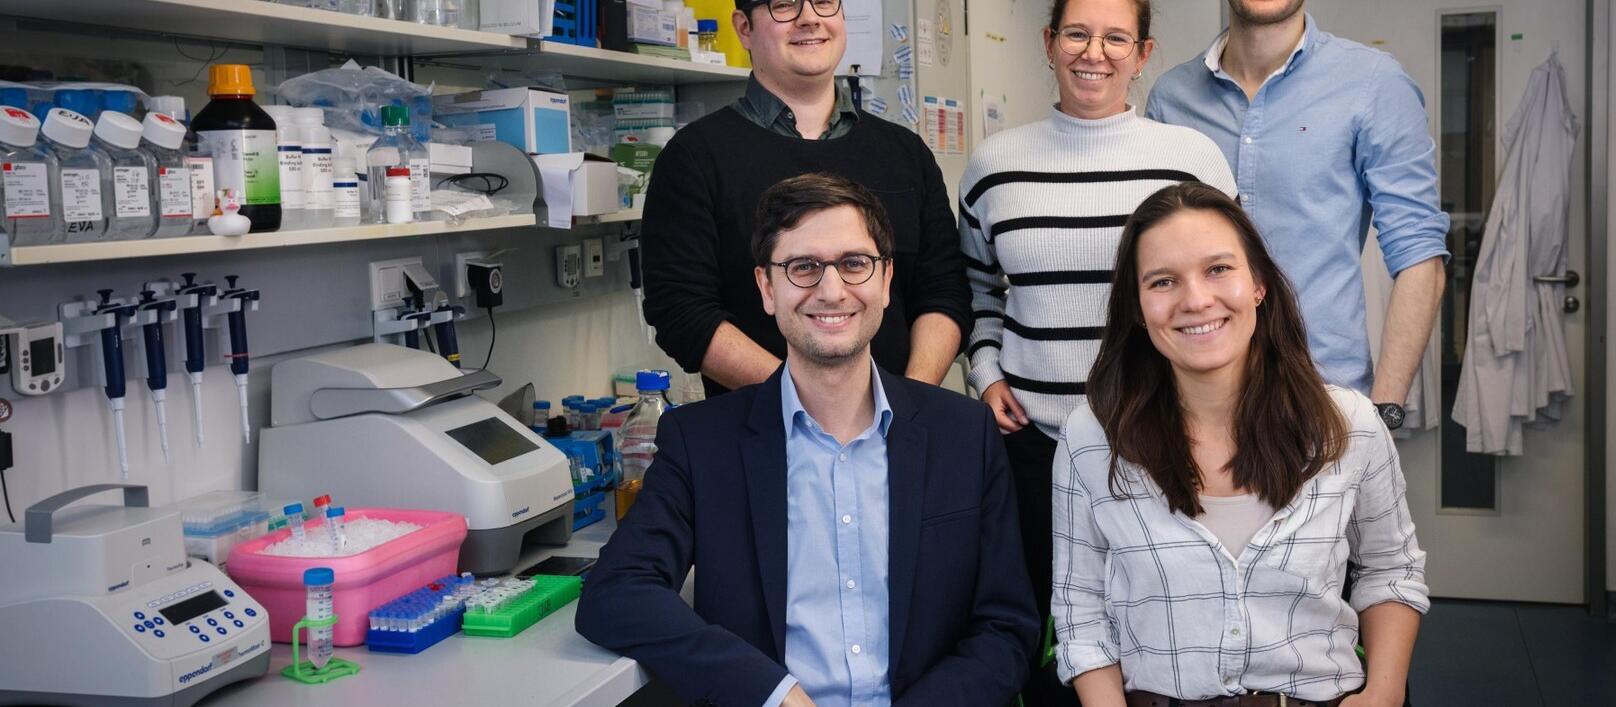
x=700 y=209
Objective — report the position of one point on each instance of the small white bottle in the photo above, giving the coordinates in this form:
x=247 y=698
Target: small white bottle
x=164 y=137
x=397 y=193
x=28 y=206
x=78 y=184
x=318 y=171
x=348 y=206
x=289 y=151
x=126 y=190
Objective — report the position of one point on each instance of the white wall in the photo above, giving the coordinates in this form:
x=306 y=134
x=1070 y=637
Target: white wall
x=64 y=441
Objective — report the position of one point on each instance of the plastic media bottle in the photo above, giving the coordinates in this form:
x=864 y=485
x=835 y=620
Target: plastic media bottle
x=241 y=138
x=345 y=189
x=397 y=196
x=67 y=135
x=319 y=199
x=26 y=168
x=126 y=193
x=317 y=583
x=164 y=137
x=395 y=148
x=289 y=155
x=638 y=443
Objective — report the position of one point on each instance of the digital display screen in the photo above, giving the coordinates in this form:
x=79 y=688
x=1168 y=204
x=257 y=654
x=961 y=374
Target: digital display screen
x=42 y=356
x=192 y=608
x=492 y=440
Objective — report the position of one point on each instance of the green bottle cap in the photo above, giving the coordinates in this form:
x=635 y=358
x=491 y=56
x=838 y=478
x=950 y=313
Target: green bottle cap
x=395 y=115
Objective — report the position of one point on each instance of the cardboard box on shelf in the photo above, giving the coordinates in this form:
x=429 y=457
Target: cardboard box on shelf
x=533 y=120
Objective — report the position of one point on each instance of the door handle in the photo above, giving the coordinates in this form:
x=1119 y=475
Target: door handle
x=1570 y=279
x=1571 y=305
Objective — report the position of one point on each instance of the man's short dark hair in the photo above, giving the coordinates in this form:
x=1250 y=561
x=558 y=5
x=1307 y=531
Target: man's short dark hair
x=784 y=204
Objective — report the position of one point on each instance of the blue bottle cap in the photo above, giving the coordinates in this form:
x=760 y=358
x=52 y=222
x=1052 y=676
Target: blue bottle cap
x=122 y=101
x=651 y=380
x=572 y=399
x=541 y=405
x=80 y=101
x=706 y=25
x=14 y=97
x=335 y=512
x=293 y=508
x=316 y=576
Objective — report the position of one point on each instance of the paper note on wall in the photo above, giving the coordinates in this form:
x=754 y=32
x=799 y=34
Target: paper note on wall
x=925 y=43
x=993 y=114
x=944 y=127
x=864 y=38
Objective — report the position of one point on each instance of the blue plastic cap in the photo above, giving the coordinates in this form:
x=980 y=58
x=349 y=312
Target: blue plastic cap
x=79 y=101
x=651 y=380
x=122 y=101
x=706 y=25
x=316 y=576
x=541 y=405
x=14 y=97
x=335 y=512
x=572 y=399
x=293 y=508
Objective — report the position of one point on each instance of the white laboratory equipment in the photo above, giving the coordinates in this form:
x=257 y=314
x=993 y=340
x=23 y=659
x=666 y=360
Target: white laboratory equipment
x=99 y=605
x=379 y=425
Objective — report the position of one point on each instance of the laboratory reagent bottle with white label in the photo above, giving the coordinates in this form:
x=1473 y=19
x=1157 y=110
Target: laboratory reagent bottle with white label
x=345 y=187
x=163 y=138
x=241 y=137
x=289 y=154
x=317 y=583
x=395 y=148
x=198 y=160
x=318 y=172
x=26 y=168
x=78 y=184
x=126 y=195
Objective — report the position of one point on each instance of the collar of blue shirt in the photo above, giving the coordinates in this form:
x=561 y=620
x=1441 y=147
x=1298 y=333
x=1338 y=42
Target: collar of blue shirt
x=793 y=413
x=1214 y=53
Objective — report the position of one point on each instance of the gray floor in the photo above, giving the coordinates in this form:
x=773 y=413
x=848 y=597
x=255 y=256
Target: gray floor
x=1485 y=654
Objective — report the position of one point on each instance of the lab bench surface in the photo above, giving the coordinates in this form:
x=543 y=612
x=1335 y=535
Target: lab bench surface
x=548 y=664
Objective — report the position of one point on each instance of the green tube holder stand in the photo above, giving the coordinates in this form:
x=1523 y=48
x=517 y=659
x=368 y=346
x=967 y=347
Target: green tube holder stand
x=304 y=671
x=548 y=594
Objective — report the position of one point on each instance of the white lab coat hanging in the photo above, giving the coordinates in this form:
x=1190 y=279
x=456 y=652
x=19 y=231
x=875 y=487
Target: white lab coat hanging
x=1515 y=369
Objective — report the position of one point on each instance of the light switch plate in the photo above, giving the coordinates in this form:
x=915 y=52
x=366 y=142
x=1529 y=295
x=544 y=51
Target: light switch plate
x=594 y=257
x=387 y=288
x=569 y=265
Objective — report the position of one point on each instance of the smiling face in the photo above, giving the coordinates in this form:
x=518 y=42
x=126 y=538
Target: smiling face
x=809 y=47
x=1197 y=293
x=833 y=322
x=1093 y=85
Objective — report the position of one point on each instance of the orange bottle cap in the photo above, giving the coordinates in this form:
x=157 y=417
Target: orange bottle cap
x=230 y=80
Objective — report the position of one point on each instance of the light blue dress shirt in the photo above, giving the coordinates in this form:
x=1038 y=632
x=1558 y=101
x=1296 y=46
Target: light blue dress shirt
x=1336 y=134
x=836 y=557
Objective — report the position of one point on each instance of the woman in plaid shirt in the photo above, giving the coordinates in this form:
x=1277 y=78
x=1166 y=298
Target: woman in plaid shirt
x=1210 y=494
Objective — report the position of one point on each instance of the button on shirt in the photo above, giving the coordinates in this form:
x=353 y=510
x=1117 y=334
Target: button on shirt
x=836 y=563
x=1336 y=134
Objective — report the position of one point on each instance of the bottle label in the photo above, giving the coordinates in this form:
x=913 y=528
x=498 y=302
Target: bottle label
x=291 y=166
x=201 y=186
x=420 y=185
x=174 y=192
x=317 y=177
x=81 y=198
x=27 y=187
x=131 y=192
x=347 y=204
x=246 y=161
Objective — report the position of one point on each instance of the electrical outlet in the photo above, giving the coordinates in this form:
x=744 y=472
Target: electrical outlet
x=462 y=289
x=594 y=257
x=569 y=265
x=387 y=288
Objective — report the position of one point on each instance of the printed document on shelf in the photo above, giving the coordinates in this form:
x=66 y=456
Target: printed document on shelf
x=555 y=171
x=863 y=39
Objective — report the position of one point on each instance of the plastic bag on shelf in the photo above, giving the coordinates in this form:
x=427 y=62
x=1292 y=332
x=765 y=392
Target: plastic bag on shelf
x=353 y=96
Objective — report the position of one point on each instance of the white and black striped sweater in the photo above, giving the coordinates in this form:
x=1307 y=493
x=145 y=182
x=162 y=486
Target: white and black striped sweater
x=1041 y=211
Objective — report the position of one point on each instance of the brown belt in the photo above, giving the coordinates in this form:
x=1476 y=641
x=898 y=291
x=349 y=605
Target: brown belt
x=1140 y=698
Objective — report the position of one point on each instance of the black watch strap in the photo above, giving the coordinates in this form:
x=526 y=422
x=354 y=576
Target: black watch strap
x=1390 y=413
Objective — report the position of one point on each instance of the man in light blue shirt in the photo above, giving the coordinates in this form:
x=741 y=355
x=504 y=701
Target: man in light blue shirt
x=1325 y=134
x=853 y=532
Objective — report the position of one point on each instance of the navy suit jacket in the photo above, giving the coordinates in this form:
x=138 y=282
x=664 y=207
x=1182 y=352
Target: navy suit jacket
x=962 y=617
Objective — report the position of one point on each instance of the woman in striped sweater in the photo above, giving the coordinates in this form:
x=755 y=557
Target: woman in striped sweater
x=1041 y=212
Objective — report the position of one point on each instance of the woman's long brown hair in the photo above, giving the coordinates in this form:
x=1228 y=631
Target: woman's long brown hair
x=1286 y=428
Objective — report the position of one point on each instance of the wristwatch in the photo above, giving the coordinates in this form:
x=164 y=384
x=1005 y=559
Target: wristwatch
x=1391 y=414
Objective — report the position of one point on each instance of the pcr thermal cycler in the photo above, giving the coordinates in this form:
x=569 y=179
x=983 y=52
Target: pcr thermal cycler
x=380 y=425
x=99 y=606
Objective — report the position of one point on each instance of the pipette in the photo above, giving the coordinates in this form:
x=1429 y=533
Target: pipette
x=196 y=349
x=448 y=343
x=157 y=360
x=112 y=365
x=238 y=348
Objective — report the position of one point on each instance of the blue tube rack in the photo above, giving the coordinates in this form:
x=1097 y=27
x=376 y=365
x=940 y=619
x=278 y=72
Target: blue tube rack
x=411 y=642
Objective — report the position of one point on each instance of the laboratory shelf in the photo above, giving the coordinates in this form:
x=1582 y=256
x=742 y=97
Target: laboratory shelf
x=623 y=216
x=150 y=247
x=263 y=22
x=603 y=65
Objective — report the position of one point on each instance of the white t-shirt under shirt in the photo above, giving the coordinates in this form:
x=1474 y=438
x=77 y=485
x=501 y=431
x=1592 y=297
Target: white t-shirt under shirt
x=1234 y=520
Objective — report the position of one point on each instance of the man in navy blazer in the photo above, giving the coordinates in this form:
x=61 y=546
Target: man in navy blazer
x=853 y=532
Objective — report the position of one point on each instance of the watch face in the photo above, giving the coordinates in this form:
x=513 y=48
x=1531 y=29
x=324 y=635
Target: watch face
x=1391 y=414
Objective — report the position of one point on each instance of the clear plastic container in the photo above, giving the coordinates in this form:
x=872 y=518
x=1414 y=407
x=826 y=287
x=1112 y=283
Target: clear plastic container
x=164 y=141
x=78 y=185
x=83 y=101
x=392 y=9
x=29 y=208
x=319 y=197
x=638 y=441
x=395 y=148
x=317 y=581
x=198 y=160
x=289 y=155
x=126 y=189
x=215 y=522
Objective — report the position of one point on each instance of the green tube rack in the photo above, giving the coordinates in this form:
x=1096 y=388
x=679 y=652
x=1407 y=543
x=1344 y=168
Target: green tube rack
x=547 y=595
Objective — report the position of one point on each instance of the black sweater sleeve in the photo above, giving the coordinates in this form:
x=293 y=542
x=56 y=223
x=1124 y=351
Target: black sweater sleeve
x=679 y=244
x=938 y=283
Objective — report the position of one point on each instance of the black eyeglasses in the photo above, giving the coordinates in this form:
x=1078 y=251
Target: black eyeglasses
x=1115 y=45
x=790 y=10
x=855 y=269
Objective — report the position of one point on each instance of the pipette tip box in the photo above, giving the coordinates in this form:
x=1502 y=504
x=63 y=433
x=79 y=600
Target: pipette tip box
x=547 y=595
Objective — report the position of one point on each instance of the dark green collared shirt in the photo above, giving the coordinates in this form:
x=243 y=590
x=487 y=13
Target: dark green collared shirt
x=765 y=109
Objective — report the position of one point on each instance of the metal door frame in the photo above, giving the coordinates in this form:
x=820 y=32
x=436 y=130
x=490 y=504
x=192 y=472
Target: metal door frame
x=1596 y=129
